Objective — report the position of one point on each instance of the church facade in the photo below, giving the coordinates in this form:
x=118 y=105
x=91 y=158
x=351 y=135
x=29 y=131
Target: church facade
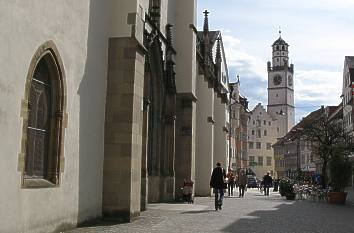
x=100 y=105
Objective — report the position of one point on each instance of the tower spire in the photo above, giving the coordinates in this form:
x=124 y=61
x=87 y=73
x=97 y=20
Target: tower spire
x=206 y=22
x=279 y=32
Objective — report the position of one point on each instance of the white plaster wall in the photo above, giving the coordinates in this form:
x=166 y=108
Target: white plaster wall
x=347 y=95
x=204 y=141
x=118 y=13
x=185 y=44
x=220 y=145
x=78 y=29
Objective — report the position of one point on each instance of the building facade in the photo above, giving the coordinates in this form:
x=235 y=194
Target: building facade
x=104 y=104
x=281 y=87
x=91 y=109
x=262 y=134
x=212 y=117
x=266 y=126
x=239 y=114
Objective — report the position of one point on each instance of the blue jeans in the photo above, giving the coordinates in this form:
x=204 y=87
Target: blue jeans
x=219 y=195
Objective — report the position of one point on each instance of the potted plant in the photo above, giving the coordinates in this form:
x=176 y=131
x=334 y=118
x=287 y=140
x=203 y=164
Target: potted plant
x=282 y=186
x=286 y=188
x=340 y=175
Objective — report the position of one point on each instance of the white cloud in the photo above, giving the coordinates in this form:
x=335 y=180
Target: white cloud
x=244 y=62
x=320 y=86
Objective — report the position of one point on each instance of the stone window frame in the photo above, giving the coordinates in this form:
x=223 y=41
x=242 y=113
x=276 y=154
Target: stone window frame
x=251 y=160
x=258 y=145
x=269 y=160
x=269 y=146
x=260 y=161
x=56 y=161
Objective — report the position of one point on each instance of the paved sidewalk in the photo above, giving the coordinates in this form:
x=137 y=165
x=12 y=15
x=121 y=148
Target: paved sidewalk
x=253 y=213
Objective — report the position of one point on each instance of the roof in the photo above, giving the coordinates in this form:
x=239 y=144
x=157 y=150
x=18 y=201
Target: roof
x=310 y=117
x=349 y=59
x=213 y=35
x=351 y=74
x=335 y=112
x=280 y=41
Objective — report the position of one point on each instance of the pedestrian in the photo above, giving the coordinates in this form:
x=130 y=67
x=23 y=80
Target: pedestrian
x=217 y=182
x=230 y=182
x=267 y=180
x=242 y=182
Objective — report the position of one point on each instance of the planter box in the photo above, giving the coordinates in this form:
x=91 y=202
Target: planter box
x=290 y=196
x=337 y=197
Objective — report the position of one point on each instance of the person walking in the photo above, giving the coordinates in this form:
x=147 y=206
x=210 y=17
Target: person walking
x=217 y=182
x=267 y=180
x=230 y=182
x=242 y=182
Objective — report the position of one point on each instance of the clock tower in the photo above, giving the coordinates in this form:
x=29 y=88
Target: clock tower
x=281 y=87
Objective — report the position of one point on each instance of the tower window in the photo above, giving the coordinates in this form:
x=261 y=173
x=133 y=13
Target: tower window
x=277 y=47
x=276 y=95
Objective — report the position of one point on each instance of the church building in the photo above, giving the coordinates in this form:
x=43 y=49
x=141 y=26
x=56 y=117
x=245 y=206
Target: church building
x=102 y=106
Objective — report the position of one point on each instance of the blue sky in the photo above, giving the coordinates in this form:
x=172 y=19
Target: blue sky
x=320 y=34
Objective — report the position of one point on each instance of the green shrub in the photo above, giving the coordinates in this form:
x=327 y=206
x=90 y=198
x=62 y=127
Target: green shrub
x=340 y=172
x=286 y=186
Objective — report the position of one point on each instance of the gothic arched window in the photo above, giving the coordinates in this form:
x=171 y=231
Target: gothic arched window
x=38 y=129
x=43 y=133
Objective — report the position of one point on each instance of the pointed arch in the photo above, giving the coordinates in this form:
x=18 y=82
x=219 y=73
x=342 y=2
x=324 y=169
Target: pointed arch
x=41 y=158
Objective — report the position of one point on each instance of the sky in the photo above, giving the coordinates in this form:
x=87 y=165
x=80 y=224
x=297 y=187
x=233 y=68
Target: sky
x=320 y=34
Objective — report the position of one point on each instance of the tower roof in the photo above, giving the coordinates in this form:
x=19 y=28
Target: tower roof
x=280 y=41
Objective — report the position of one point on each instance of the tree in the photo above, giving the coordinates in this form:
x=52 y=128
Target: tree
x=328 y=137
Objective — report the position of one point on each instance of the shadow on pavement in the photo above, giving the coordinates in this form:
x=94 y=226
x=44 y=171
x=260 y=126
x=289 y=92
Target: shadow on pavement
x=197 y=211
x=297 y=216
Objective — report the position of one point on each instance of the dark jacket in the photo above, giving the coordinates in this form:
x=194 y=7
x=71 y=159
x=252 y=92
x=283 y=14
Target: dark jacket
x=217 y=178
x=267 y=180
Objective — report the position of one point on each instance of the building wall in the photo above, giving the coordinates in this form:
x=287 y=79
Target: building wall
x=185 y=43
x=204 y=143
x=347 y=94
x=260 y=115
x=78 y=30
x=221 y=151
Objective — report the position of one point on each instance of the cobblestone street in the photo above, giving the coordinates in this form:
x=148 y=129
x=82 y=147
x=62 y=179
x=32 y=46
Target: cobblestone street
x=253 y=213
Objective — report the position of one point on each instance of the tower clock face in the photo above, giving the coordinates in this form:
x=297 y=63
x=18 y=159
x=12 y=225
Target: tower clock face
x=290 y=80
x=277 y=80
